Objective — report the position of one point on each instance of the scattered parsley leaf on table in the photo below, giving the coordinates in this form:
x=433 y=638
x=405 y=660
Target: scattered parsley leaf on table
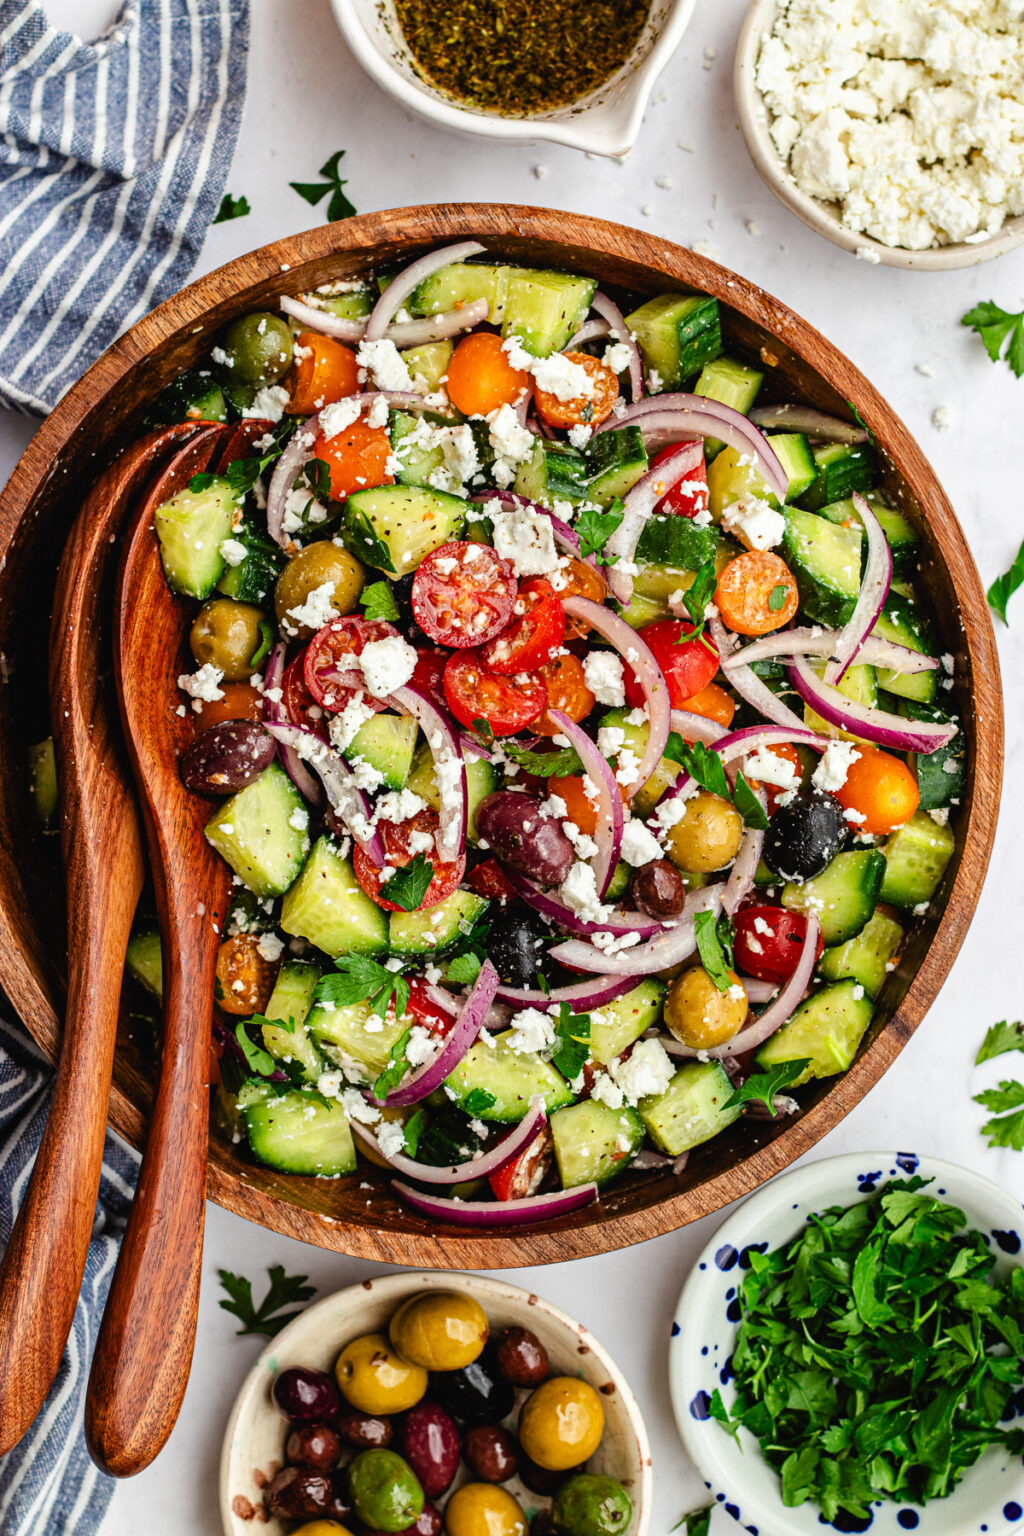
x=408 y=885
x=1001 y=1037
x=763 y=1086
x=696 y=1523
x=1004 y=586
x=595 y=529
x=267 y=1318
x=232 y=208
x=994 y=324
x=378 y=601
x=1006 y=1129
x=339 y=206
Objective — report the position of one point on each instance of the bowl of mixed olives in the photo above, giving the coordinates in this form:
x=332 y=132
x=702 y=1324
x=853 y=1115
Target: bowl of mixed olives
x=422 y=1404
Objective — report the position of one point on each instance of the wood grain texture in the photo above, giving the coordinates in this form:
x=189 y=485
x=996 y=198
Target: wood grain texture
x=144 y=1347
x=103 y=410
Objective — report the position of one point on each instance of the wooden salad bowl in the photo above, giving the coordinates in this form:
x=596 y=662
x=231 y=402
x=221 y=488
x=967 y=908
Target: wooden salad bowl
x=104 y=412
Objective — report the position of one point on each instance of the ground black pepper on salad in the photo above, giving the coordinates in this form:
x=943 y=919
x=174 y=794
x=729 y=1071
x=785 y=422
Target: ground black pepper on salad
x=582 y=744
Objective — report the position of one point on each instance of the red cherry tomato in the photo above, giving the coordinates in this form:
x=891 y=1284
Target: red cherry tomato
x=397 y=837
x=330 y=652
x=488 y=879
x=463 y=593
x=688 y=667
x=534 y=633
x=428 y=674
x=424 y=1011
x=298 y=703
x=771 y=955
x=474 y=692
x=525 y=1174
x=690 y=496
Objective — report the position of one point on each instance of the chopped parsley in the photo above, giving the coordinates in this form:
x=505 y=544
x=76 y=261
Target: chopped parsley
x=339 y=206
x=705 y=766
x=408 y=885
x=595 y=529
x=242 y=474
x=1004 y=586
x=712 y=951
x=477 y=1101
x=777 y=597
x=997 y=326
x=232 y=208
x=398 y=1065
x=463 y=968
x=572 y=1042
x=378 y=601
x=361 y=979
x=695 y=601
x=267 y=1318
x=371 y=547
x=413 y=1130
x=257 y=1059
x=545 y=765
x=763 y=1086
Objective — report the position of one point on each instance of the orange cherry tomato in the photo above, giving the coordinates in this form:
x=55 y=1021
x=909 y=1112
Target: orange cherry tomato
x=592 y=408
x=240 y=702
x=480 y=376
x=245 y=979
x=713 y=703
x=881 y=791
x=580 y=809
x=756 y=593
x=567 y=691
x=324 y=371
x=578 y=579
x=356 y=457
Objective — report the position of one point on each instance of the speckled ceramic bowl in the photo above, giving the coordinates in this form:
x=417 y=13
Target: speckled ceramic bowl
x=254 y=1442
x=990 y=1499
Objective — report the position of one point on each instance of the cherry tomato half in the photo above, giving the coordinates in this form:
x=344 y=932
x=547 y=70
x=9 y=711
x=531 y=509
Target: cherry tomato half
x=525 y=1174
x=769 y=940
x=329 y=653
x=578 y=579
x=594 y=406
x=298 y=703
x=688 y=666
x=356 y=457
x=534 y=633
x=474 y=692
x=428 y=674
x=463 y=594
x=690 y=496
x=567 y=691
x=399 y=844
x=424 y=1011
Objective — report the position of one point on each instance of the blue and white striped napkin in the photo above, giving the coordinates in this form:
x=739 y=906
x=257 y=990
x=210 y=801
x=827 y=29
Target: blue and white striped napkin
x=113 y=159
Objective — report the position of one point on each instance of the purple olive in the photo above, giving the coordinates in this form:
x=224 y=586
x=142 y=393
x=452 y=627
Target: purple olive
x=512 y=825
x=431 y=1444
x=226 y=757
x=522 y=1358
x=296 y=1494
x=658 y=889
x=492 y=1453
x=366 y=1430
x=539 y=1479
x=428 y=1524
x=306 y=1397
x=313 y=1445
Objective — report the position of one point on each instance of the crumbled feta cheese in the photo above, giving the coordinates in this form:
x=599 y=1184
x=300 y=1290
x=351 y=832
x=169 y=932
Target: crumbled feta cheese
x=767 y=767
x=299 y=818
x=579 y=891
x=314 y=613
x=508 y=437
x=270 y=946
x=460 y=456
x=385 y=363
x=580 y=434
x=606 y=1091
x=618 y=356
x=268 y=403
x=344 y=727
x=232 y=552
x=603 y=673
x=526 y=540
x=341 y=414
x=203 y=685
x=391 y=1137
x=755 y=523
x=639 y=845
x=836 y=762
x=386 y=664
x=420 y=1047
x=531 y=1032
x=647 y=1070
x=364 y=775
x=558 y=375
x=399 y=805
x=377 y=415
x=628 y=767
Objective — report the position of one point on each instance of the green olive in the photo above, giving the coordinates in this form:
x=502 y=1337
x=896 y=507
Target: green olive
x=699 y=1015
x=257 y=349
x=376 y=1380
x=440 y=1330
x=561 y=1423
x=386 y=1494
x=312 y=568
x=228 y=635
x=707 y=834
x=482 y=1509
x=591 y=1504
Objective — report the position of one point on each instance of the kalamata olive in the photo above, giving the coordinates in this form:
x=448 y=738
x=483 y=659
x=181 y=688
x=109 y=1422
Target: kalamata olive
x=535 y=845
x=313 y=1445
x=492 y=1453
x=517 y=946
x=657 y=888
x=296 y=1494
x=539 y=1480
x=478 y=1394
x=543 y=1523
x=428 y=1524
x=226 y=757
x=366 y=1430
x=431 y=1445
x=804 y=836
x=522 y=1358
x=340 y=1507
x=305 y=1396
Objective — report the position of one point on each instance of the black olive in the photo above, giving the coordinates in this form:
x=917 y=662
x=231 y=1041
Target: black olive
x=804 y=836
x=401 y=591
x=477 y=1394
x=516 y=946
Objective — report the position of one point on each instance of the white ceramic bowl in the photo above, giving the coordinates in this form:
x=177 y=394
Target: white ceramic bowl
x=990 y=1497
x=254 y=1442
x=606 y=122
x=820 y=216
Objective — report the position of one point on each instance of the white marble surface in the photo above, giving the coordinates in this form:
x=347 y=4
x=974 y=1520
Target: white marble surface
x=308 y=98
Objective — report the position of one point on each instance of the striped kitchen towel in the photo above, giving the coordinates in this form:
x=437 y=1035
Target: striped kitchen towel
x=113 y=159
x=48 y=1484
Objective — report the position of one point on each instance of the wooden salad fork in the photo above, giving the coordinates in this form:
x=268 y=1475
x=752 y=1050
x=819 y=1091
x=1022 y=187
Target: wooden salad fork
x=42 y=1266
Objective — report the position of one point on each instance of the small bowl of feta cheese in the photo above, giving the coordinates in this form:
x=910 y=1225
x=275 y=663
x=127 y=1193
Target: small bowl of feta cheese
x=895 y=131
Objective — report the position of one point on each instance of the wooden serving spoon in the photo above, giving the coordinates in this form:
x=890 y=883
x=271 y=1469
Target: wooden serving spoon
x=42 y=1266
x=144 y=1348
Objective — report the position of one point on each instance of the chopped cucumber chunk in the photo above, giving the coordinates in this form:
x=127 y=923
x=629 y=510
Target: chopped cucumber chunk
x=429 y=364
x=296 y=1133
x=692 y=1108
x=843 y=896
x=554 y=471
x=916 y=857
x=460 y=284
x=143 y=961
x=826 y=1029
x=387 y=743
x=190 y=529
x=615 y=461
x=261 y=832
x=841 y=469
x=289 y=1004
x=678 y=542
x=327 y=906
x=594 y=1143
x=941 y=775
x=616 y=1025
x=481 y=780
x=434 y=928
x=904 y=540
x=352 y=1037
x=544 y=309
x=395 y=526
x=825 y=560
x=417 y=461
x=678 y=334
x=866 y=958
x=254 y=579
x=730 y=383
x=509 y=1079
x=903 y=619
x=42 y=771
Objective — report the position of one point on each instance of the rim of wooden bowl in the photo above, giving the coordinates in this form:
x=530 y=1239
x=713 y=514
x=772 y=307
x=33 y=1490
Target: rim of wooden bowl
x=104 y=410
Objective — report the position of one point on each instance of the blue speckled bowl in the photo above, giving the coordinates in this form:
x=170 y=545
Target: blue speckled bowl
x=991 y=1497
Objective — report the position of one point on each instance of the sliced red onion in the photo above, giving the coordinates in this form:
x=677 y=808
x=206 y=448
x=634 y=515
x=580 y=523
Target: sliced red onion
x=322 y=320
x=496 y=1157
x=741 y=877
x=748 y=685
x=417 y=333
x=875 y=651
x=610 y=818
x=781 y=1104
x=590 y=330
x=863 y=720
x=581 y=996
x=448 y=762
x=634 y=649
x=348 y=802
x=693 y=727
x=758 y=990
x=497 y=1213
x=648 y=1159
x=565 y=537
x=671 y=418
x=401 y=286
x=274 y=713
x=639 y=503
x=680 y=1162
x=618 y=923
x=468 y=1023
x=777 y=1013
x=611 y=312
x=752 y=737
x=874 y=589
x=668 y=948
x=803 y=418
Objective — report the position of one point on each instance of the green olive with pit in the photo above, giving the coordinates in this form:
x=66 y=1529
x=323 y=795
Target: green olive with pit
x=483 y=1509
x=591 y=1504
x=561 y=1423
x=227 y=635
x=707 y=835
x=699 y=1014
x=257 y=349
x=440 y=1330
x=318 y=565
x=384 y=1491
x=374 y=1379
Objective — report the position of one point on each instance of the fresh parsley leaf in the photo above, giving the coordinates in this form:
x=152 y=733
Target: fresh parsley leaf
x=363 y=979
x=288 y=1025
x=696 y=1523
x=317 y=474
x=283 y=1291
x=594 y=529
x=994 y=325
x=232 y=208
x=370 y=546
x=705 y=766
x=696 y=599
x=1004 y=586
x=408 y=885
x=413 y=1129
x=477 y=1101
x=257 y=1059
x=242 y=474
x=725 y=930
x=720 y=1413
x=777 y=597
x=1001 y=1037
x=463 y=968
x=378 y=601
x=1009 y=1095
x=572 y=1049
x=763 y=1086
x=338 y=206
x=709 y=947
x=748 y=805
x=484 y=730
x=1006 y=1131
x=398 y=1065
x=201 y=482
x=562 y=761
